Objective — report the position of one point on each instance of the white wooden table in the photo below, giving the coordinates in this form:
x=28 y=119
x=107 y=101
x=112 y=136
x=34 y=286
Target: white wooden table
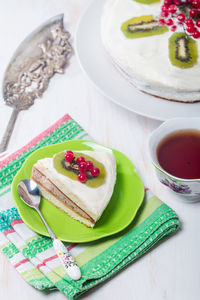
x=171 y=271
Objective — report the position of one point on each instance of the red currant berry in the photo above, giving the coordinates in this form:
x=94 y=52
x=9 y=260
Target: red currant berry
x=169 y=22
x=181 y=17
x=173 y=28
x=193 y=13
x=69 y=151
x=177 y=2
x=198 y=23
x=80 y=159
x=195 y=3
x=189 y=22
x=172 y=9
x=69 y=156
x=82 y=177
x=196 y=34
x=95 y=172
x=82 y=166
x=167 y=2
x=190 y=29
x=164 y=14
x=161 y=22
x=89 y=165
x=164 y=8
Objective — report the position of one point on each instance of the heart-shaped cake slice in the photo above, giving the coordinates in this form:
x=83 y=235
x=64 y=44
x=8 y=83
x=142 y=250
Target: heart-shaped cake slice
x=79 y=183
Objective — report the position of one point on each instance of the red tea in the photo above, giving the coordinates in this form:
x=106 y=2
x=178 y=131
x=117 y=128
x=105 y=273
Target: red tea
x=179 y=154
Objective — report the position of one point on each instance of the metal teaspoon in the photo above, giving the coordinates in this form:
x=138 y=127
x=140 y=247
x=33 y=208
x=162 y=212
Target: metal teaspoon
x=30 y=194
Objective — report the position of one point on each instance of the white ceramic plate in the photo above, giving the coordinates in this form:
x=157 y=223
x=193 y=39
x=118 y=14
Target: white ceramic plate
x=98 y=67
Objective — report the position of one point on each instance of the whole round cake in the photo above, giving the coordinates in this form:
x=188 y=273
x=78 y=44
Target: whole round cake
x=155 y=45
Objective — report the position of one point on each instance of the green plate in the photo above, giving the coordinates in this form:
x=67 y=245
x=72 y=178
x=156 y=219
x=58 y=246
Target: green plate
x=126 y=199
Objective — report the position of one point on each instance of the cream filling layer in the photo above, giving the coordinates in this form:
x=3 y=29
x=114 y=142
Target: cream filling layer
x=145 y=59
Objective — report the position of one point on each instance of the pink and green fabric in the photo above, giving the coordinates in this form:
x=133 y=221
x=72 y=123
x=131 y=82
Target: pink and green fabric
x=34 y=257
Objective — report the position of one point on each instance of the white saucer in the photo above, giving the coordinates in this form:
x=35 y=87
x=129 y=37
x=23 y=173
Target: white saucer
x=98 y=67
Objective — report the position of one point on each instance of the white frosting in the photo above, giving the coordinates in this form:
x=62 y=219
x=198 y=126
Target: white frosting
x=146 y=60
x=92 y=200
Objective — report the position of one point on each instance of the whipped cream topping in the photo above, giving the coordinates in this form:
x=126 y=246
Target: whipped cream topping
x=146 y=59
x=92 y=200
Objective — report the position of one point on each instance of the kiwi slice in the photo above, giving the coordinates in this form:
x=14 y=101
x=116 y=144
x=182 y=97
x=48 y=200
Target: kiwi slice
x=142 y=26
x=183 y=51
x=71 y=169
x=147 y=1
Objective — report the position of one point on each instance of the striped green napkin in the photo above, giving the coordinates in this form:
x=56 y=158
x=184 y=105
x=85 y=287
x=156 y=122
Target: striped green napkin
x=33 y=256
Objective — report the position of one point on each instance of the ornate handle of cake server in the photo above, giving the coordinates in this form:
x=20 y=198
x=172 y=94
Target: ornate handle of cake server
x=67 y=260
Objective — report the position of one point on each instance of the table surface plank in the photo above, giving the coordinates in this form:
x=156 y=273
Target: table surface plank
x=171 y=270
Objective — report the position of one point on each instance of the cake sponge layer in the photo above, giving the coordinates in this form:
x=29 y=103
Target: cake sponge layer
x=72 y=213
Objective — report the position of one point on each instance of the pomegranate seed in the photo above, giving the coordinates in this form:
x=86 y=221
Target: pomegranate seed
x=181 y=17
x=169 y=22
x=82 y=177
x=189 y=22
x=173 y=8
x=161 y=21
x=69 y=156
x=95 y=172
x=193 y=13
x=173 y=28
x=198 y=23
x=89 y=165
x=80 y=159
x=190 y=29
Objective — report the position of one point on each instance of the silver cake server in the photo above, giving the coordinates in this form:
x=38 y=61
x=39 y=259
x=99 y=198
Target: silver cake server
x=42 y=54
x=30 y=194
